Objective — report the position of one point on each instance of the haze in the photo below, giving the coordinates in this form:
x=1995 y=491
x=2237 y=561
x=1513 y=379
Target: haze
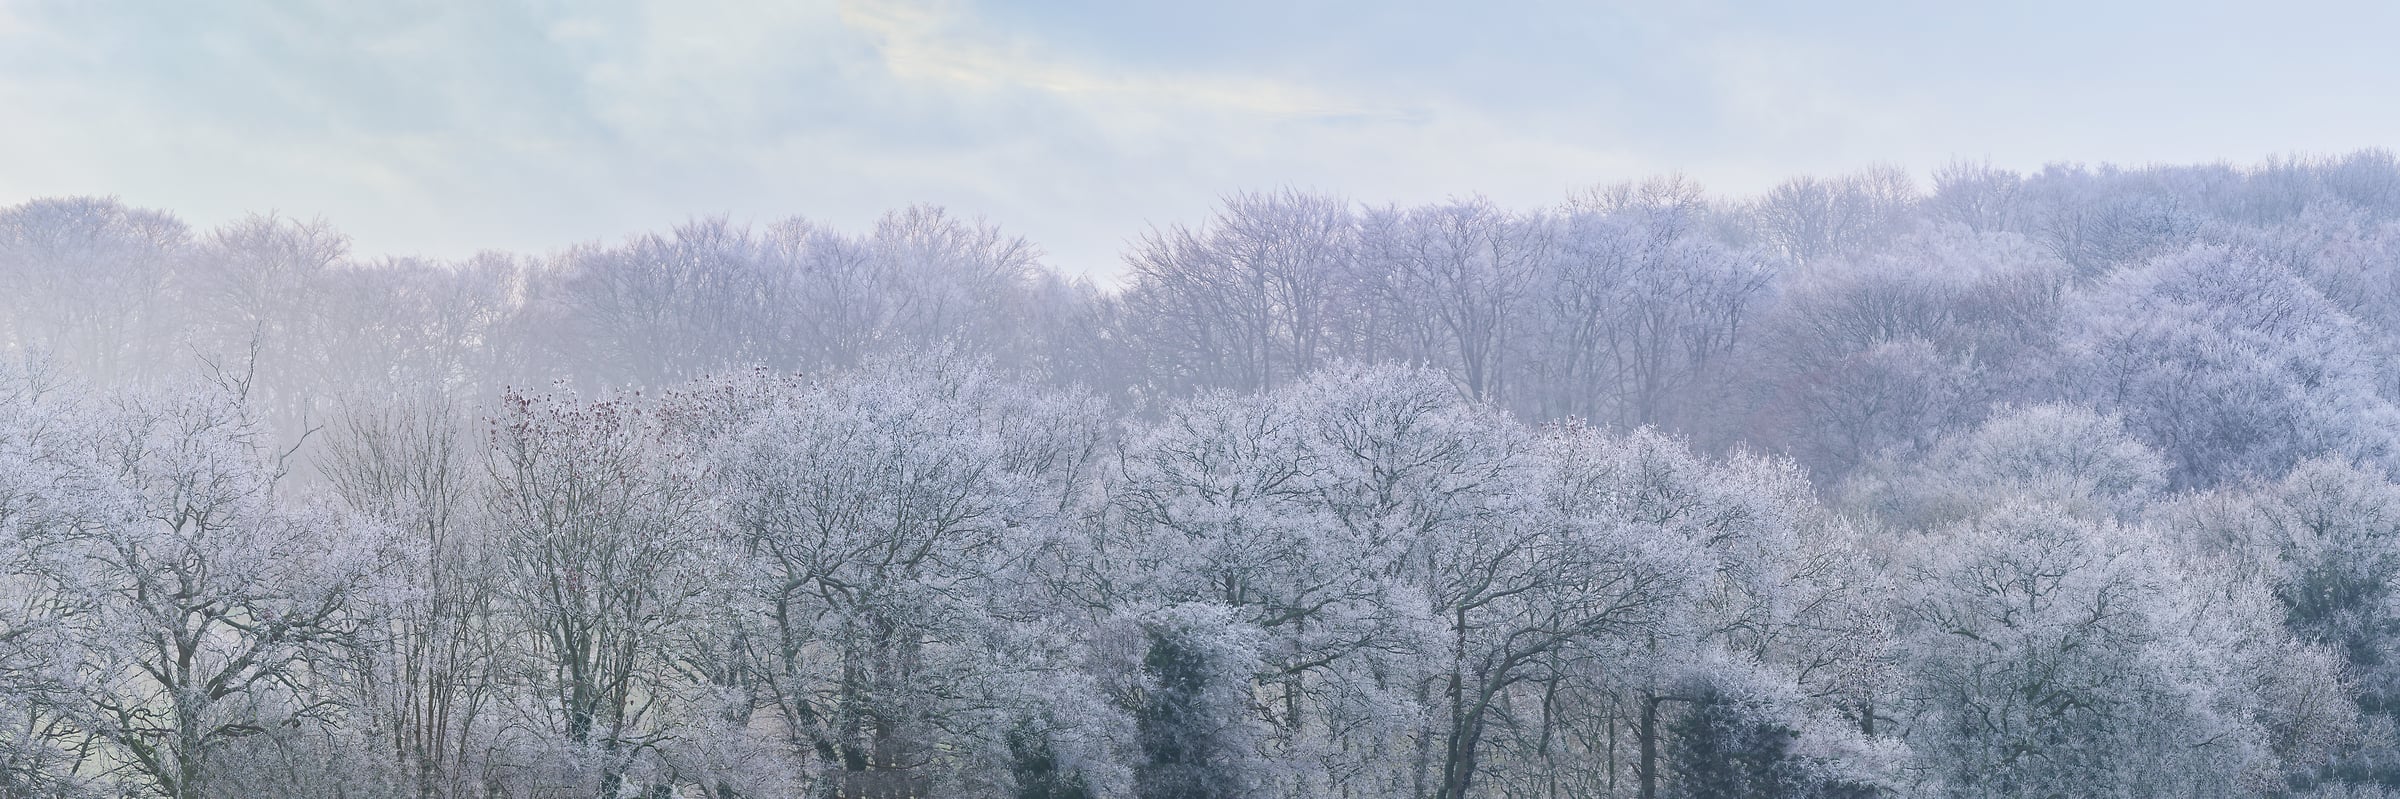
x=1216 y=401
x=443 y=128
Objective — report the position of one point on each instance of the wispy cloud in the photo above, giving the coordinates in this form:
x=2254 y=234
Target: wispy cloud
x=452 y=125
x=940 y=42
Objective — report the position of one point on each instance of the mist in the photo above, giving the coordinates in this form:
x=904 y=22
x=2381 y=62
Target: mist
x=883 y=400
x=2005 y=485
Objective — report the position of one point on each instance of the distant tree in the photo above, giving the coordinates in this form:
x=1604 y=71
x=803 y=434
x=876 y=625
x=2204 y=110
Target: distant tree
x=1248 y=302
x=1636 y=314
x=1977 y=195
x=95 y=283
x=1812 y=219
x=2083 y=461
x=2230 y=365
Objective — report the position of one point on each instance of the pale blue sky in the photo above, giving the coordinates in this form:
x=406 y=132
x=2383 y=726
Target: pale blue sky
x=440 y=128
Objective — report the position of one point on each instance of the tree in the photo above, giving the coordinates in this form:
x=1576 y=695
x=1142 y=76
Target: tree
x=1638 y=312
x=2231 y=365
x=1249 y=302
x=427 y=673
x=2083 y=461
x=94 y=282
x=1722 y=747
x=256 y=292
x=662 y=309
x=2323 y=540
x=1813 y=219
x=884 y=514
x=1461 y=272
x=220 y=614
x=2051 y=657
x=1976 y=194
x=1190 y=712
x=602 y=524
x=54 y=491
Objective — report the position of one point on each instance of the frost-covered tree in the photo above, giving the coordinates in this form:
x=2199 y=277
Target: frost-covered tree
x=93 y=282
x=601 y=526
x=426 y=676
x=1248 y=301
x=219 y=615
x=888 y=521
x=2231 y=365
x=1462 y=274
x=54 y=491
x=1638 y=311
x=2081 y=460
x=1812 y=219
x=2326 y=540
x=2074 y=481
x=2051 y=657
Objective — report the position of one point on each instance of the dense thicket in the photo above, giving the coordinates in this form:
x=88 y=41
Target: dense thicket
x=2076 y=483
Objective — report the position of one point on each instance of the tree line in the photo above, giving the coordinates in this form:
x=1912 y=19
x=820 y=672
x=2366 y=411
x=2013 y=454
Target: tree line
x=2070 y=483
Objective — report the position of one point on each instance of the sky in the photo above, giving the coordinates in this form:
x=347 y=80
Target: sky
x=439 y=128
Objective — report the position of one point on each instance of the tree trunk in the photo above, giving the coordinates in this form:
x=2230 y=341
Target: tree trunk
x=1649 y=745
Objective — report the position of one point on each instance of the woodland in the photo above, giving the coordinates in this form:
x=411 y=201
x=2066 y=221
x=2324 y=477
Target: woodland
x=1976 y=483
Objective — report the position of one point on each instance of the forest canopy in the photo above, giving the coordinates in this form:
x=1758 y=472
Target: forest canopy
x=2077 y=482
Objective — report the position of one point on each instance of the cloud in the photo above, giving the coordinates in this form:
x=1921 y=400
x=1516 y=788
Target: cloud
x=445 y=126
x=933 y=43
